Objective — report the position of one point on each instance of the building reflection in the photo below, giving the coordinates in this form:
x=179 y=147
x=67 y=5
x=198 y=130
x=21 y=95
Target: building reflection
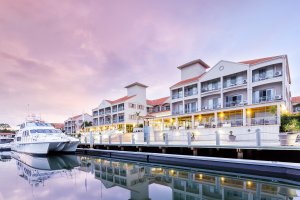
x=188 y=185
x=36 y=170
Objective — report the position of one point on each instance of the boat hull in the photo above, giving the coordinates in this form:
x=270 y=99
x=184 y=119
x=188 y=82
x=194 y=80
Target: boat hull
x=32 y=148
x=70 y=146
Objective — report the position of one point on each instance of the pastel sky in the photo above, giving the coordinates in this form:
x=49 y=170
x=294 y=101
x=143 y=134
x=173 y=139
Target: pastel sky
x=64 y=57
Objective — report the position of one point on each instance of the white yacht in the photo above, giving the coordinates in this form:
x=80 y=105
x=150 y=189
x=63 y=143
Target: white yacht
x=38 y=137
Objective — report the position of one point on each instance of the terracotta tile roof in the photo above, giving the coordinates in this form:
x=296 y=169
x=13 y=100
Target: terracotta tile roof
x=259 y=60
x=186 y=81
x=122 y=99
x=159 y=101
x=194 y=62
x=296 y=99
x=136 y=83
x=6 y=134
x=76 y=117
x=58 y=125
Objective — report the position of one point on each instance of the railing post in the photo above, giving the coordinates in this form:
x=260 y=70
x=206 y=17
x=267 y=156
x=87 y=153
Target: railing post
x=91 y=139
x=166 y=135
x=148 y=138
x=258 y=137
x=217 y=138
x=120 y=138
x=189 y=138
x=109 y=139
x=100 y=139
x=133 y=138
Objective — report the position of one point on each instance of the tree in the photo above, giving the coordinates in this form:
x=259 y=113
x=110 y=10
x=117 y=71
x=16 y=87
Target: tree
x=4 y=126
x=86 y=124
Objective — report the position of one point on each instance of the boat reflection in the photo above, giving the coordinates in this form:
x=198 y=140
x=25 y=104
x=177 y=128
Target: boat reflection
x=36 y=169
x=189 y=184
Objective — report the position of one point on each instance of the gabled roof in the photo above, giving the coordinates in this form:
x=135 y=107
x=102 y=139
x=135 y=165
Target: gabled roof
x=159 y=101
x=296 y=99
x=136 y=83
x=260 y=60
x=120 y=100
x=199 y=61
x=76 y=117
x=186 y=81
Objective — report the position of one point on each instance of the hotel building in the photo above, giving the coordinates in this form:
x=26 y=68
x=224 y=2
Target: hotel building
x=296 y=104
x=123 y=113
x=74 y=124
x=229 y=94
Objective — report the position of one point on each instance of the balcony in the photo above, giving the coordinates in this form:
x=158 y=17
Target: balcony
x=120 y=108
x=121 y=119
x=176 y=95
x=203 y=90
x=235 y=103
x=95 y=113
x=190 y=93
x=262 y=121
x=234 y=84
x=265 y=75
x=230 y=123
x=107 y=111
x=267 y=99
x=115 y=109
x=191 y=110
x=211 y=107
x=177 y=112
x=101 y=112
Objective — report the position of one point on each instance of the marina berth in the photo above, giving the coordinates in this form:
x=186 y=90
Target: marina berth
x=38 y=137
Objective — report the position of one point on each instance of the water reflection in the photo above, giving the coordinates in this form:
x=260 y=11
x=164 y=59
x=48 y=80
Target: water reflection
x=185 y=184
x=135 y=181
x=36 y=169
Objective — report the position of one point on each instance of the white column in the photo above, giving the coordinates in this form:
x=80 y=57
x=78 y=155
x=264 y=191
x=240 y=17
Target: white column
x=278 y=113
x=199 y=96
x=222 y=95
x=176 y=123
x=249 y=86
x=244 y=117
x=162 y=124
x=193 y=121
x=216 y=118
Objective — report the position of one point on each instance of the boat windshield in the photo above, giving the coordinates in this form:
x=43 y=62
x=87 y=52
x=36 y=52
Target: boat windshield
x=45 y=131
x=43 y=124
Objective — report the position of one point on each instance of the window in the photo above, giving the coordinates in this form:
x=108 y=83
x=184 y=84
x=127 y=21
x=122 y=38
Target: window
x=131 y=105
x=263 y=95
x=233 y=100
x=233 y=80
x=141 y=107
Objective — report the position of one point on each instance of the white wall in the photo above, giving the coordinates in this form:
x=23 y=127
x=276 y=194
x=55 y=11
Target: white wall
x=192 y=71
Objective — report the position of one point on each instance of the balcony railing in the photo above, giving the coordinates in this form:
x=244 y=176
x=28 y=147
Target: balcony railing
x=177 y=112
x=230 y=123
x=190 y=93
x=261 y=77
x=266 y=99
x=211 y=107
x=191 y=110
x=210 y=89
x=177 y=96
x=120 y=109
x=244 y=82
x=262 y=121
x=235 y=103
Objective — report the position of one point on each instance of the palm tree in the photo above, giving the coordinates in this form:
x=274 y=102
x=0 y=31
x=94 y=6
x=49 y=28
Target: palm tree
x=86 y=124
x=137 y=118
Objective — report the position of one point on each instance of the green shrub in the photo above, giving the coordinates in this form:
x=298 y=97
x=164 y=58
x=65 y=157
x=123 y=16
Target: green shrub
x=290 y=123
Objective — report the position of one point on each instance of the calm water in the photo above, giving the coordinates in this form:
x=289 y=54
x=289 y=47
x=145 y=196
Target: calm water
x=74 y=177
